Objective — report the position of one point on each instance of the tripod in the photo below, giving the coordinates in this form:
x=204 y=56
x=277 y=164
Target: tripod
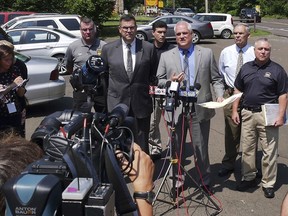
x=188 y=106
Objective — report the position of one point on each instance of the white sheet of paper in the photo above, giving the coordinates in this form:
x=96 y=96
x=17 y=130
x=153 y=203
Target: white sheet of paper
x=214 y=105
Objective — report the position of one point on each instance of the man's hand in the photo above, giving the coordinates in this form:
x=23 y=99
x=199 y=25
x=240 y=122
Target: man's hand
x=235 y=117
x=177 y=78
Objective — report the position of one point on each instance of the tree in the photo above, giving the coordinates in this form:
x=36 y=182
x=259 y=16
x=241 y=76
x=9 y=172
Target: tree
x=99 y=10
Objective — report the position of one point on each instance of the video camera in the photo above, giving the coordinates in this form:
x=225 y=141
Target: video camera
x=80 y=173
x=90 y=77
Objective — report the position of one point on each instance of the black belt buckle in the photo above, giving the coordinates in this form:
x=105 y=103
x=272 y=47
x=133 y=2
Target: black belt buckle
x=254 y=109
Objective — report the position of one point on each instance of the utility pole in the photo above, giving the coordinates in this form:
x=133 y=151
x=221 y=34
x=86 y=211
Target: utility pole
x=206 y=6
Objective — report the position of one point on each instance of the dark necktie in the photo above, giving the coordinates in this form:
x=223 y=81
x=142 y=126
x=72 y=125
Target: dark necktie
x=186 y=67
x=239 y=61
x=129 y=61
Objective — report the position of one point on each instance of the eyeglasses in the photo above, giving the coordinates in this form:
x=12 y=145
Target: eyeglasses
x=87 y=29
x=125 y=28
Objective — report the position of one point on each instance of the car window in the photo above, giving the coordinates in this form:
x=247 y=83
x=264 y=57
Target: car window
x=15 y=35
x=71 y=24
x=199 y=17
x=217 y=18
x=166 y=20
x=175 y=20
x=26 y=24
x=47 y=23
x=41 y=36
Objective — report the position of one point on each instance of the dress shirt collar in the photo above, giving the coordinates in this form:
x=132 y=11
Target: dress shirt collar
x=133 y=44
x=244 y=49
x=190 y=50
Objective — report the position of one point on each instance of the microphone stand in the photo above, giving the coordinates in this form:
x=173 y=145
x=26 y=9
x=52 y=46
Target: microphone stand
x=174 y=164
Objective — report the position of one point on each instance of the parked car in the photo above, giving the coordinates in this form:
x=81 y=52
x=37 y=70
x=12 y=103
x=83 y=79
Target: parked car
x=163 y=12
x=248 y=14
x=44 y=83
x=202 y=30
x=184 y=12
x=222 y=24
x=41 y=41
x=69 y=23
x=6 y=16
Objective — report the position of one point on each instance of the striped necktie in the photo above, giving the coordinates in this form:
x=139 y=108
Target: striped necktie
x=239 y=61
x=129 y=65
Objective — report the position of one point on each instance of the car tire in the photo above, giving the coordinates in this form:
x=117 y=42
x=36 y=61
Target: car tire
x=61 y=64
x=196 y=37
x=226 y=34
x=141 y=36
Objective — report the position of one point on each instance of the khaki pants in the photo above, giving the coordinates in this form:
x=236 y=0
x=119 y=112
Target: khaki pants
x=253 y=128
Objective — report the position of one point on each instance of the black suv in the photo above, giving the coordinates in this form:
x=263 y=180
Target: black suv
x=248 y=14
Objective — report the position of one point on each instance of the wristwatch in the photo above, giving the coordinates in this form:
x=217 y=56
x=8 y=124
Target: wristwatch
x=148 y=196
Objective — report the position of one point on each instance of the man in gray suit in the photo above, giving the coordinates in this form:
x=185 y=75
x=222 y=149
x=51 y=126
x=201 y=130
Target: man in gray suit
x=201 y=70
x=132 y=67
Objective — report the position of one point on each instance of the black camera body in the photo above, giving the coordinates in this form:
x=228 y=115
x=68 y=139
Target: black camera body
x=76 y=167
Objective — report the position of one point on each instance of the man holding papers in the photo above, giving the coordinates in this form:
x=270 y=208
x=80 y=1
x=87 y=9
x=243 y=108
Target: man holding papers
x=230 y=61
x=262 y=81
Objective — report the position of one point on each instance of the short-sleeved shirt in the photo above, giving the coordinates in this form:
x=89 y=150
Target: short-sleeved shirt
x=78 y=52
x=261 y=84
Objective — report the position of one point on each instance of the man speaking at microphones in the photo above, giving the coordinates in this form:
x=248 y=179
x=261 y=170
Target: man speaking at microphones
x=194 y=68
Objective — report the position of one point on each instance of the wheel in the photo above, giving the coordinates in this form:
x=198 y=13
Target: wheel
x=226 y=34
x=196 y=37
x=61 y=64
x=141 y=36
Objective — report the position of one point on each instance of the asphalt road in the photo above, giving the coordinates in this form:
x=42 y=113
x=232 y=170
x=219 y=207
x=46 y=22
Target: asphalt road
x=230 y=201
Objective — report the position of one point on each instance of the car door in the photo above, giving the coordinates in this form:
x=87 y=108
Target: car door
x=218 y=23
x=36 y=42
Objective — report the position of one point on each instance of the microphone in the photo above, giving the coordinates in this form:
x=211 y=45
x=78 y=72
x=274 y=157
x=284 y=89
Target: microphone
x=183 y=87
x=197 y=86
x=118 y=115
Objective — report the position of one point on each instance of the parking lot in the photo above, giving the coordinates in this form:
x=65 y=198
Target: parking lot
x=226 y=197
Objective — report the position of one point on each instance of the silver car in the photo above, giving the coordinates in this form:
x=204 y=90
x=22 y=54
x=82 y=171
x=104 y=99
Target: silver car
x=42 y=41
x=44 y=83
x=202 y=30
x=184 y=12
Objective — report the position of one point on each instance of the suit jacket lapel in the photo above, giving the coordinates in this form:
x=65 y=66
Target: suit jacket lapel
x=139 y=53
x=176 y=58
x=198 y=57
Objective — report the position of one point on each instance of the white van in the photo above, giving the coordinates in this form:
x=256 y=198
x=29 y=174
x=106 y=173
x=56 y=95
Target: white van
x=222 y=24
x=70 y=23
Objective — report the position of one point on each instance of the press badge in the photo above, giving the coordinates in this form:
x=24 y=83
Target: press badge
x=11 y=107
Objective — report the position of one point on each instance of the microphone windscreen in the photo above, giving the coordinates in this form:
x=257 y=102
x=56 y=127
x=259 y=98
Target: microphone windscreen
x=197 y=86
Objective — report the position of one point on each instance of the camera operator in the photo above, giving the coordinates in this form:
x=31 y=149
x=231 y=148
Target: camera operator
x=141 y=177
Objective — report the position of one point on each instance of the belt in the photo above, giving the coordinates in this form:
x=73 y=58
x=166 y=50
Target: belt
x=253 y=109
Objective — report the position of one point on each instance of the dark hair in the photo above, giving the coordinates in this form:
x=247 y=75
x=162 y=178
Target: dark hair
x=127 y=17
x=15 y=154
x=6 y=48
x=159 y=24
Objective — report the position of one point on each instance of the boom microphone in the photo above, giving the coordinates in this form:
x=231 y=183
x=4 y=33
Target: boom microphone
x=118 y=115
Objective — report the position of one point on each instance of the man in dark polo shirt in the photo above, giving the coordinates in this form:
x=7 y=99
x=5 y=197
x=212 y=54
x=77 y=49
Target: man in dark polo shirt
x=262 y=81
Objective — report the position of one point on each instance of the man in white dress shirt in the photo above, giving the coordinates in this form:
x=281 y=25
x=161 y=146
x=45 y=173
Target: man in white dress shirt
x=228 y=66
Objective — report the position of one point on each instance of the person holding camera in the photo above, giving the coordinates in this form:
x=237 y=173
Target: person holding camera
x=192 y=66
x=76 y=56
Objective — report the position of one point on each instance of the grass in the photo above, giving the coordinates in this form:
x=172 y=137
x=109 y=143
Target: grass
x=258 y=32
